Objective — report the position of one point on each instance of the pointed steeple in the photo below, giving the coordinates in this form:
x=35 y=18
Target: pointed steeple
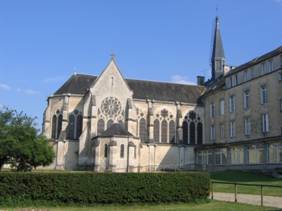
x=218 y=58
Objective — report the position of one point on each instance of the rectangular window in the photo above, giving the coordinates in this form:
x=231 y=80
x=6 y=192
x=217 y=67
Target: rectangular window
x=263 y=95
x=232 y=104
x=222 y=131
x=234 y=80
x=232 y=129
x=210 y=158
x=218 y=158
x=245 y=75
x=275 y=153
x=106 y=151
x=237 y=155
x=280 y=76
x=221 y=107
x=249 y=73
x=263 y=68
x=269 y=66
x=212 y=133
x=256 y=154
x=265 y=123
x=246 y=100
x=247 y=126
x=212 y=110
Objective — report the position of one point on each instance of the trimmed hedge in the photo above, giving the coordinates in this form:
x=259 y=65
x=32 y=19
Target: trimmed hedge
x=94 y=188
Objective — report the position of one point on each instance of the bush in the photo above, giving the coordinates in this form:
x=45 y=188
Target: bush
x=93 y=188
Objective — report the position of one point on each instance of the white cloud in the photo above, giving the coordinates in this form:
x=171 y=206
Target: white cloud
x=181 y=79
x=5 y=87
x=27 y=91
x=53 y=79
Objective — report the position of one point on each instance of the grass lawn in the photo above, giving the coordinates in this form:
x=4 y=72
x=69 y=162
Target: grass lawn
x=246 y=177
x=213 y=205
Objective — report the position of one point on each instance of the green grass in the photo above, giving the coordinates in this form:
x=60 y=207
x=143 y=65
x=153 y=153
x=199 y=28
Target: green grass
x=246 y=177
x=213 y=205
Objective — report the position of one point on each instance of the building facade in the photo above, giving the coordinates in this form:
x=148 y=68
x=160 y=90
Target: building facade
x=110 y=123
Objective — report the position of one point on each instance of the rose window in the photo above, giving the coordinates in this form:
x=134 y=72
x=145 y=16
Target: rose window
x=111 y=106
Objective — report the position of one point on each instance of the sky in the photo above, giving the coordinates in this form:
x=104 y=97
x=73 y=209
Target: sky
x=42 y=43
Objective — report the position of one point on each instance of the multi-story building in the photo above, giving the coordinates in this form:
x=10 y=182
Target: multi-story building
x=233 y=120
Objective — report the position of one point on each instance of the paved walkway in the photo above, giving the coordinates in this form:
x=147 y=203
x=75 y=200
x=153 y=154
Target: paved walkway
x=268 y=201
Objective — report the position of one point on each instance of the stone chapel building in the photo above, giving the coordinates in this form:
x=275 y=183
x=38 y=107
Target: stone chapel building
x=111 y=123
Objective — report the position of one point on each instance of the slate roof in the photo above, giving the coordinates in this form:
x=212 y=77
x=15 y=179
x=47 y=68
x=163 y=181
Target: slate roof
x=256 y=61
x=116 y=129
x=79 y=84
x=218 y=51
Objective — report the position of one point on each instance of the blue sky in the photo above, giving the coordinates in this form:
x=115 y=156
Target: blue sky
x=42 y=43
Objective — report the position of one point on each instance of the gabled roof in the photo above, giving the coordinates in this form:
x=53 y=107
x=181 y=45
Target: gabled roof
x=79 y=84
x=115 y=129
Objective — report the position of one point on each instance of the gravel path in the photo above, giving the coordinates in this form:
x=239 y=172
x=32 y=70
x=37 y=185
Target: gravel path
x=268 y=201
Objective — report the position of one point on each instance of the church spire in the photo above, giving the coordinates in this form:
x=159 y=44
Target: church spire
x=218 y=58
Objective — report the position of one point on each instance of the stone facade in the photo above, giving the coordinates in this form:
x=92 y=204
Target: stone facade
x=109 y=123
x=248 y=131
x=108 y=101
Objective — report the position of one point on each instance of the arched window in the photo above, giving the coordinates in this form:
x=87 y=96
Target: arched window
x=157 y=131
x=185 y=132
x=75 y=125
x=109 y=123
x=106 y=151
x=122 y=151
x=192 y=133
x=172 y=131
x=200 y=133
x=59 y=127
x=143 y=130
x=78 y=125
x=164 y=131
x=71 y=127
x=54 y=126
x=100 y=126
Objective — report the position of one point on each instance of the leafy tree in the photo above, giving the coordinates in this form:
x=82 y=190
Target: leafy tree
x=20 y=143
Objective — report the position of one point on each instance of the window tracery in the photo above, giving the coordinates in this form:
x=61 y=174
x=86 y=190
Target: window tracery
x=75 y=125
x=192 y=129
x=111 y=107
x=57 y=120
x=172 y=131
x=143 y=133
x=164 y=131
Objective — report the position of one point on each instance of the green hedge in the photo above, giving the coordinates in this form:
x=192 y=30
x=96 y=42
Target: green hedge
x=93 y=188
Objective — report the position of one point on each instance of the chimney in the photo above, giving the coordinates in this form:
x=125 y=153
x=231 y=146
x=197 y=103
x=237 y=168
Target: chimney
x=200 y=80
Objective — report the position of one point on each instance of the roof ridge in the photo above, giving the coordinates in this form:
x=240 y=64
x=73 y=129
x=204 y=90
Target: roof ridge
x=141 y=80
x=255 y=60
x=164 y=82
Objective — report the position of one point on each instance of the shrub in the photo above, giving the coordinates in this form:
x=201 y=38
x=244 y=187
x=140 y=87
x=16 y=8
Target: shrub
x=93 y=188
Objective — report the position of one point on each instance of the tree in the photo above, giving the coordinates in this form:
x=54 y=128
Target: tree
x=20 y=143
